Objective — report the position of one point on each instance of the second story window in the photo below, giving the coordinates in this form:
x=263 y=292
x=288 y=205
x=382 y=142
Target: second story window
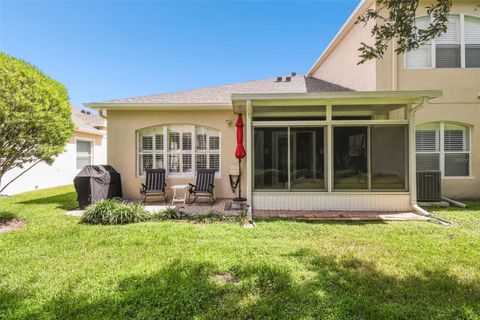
x=459 y=47
x=472 y=42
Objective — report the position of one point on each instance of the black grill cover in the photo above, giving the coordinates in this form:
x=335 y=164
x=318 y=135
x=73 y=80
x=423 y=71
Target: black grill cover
x=94 y=183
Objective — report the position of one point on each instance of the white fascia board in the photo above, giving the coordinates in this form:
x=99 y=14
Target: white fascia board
x=97 y=133
x=340 y=34
x=159 y=106
x=398 y=96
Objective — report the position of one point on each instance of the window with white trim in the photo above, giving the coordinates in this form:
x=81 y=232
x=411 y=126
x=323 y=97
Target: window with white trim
x=179 y=149
x=459 y=47
x=84 y=153
x=444 y=146
x=472 y=42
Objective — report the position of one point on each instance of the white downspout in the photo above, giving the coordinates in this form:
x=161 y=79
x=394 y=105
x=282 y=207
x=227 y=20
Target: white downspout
x=248 y=116
x=413 y=163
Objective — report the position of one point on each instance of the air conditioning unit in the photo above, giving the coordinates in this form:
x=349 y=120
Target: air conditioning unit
x=429 y=185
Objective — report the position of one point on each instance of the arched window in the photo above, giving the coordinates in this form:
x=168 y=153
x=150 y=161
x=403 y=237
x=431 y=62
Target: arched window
x=179 y=149
x=459 y=47
x=444 y=146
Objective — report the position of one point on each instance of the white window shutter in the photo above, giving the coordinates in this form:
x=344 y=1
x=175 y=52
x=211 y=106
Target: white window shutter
x=159 y=142
x=147 y=143
x=422 y=22
x=428 y=161
x=419 y=58
x=454 y=140
x=452 y=36
x=427 y=141
x=472 y=30
x=187 y=141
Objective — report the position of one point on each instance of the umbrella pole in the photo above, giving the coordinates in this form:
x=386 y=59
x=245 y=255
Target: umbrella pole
x=239 y=198
x=239 y=178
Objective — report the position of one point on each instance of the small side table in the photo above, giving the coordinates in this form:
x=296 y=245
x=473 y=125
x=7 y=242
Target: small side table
x=185 y=193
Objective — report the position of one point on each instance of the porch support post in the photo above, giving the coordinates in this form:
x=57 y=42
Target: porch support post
x=412 y=179
x=248 y=115
x=329 y=159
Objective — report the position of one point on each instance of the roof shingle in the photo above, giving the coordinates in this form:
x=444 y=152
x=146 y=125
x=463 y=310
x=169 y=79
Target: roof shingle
x=222 y=94
x=87 y=122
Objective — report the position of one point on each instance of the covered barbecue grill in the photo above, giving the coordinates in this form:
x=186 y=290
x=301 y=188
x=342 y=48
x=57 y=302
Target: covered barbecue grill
x=94 y=183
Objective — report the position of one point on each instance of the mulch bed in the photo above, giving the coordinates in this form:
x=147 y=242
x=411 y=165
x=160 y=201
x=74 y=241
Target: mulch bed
x=11 y=224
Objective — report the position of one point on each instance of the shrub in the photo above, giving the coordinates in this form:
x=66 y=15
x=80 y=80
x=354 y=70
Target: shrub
x=111 y=211
x=35 y=116
x=171 y=213
x=242 y=217
x=210 y=217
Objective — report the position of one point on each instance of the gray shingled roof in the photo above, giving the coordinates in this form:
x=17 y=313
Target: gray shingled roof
x=87 y=122
x=222 y=94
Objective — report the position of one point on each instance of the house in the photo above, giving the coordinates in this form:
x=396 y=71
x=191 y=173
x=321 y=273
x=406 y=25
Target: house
x=448 y=128
x=341 y=137
x=86 y=146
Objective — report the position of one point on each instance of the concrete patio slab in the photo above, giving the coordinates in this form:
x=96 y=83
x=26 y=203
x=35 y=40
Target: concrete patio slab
x=225 y=207
x=75 y=212
x=338 y=215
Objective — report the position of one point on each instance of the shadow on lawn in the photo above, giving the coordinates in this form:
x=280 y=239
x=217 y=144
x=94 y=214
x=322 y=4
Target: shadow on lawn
x=342 y=289
x=65 y=201
x=7 y=215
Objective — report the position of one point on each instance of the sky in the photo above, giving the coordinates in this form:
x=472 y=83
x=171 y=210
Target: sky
x=103 y=50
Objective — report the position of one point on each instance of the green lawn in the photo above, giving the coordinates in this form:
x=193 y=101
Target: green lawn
x=57 y=268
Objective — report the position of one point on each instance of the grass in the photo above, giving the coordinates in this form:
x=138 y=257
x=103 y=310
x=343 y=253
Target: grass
x=55 y=267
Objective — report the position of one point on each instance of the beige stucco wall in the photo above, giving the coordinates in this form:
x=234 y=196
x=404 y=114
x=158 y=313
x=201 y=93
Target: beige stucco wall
x=459 y=103
x=122 y=128
x=341 y=67
x=461 y=88
x=464 y=187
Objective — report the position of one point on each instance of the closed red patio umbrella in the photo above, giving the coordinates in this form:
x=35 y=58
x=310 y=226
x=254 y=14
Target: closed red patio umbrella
x=239 y=154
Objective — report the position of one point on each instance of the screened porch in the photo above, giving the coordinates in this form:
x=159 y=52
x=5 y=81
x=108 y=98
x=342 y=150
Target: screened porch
x=339 y=154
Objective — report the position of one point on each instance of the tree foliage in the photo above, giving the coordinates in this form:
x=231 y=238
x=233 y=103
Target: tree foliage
x=395 y=21
x=35 y=115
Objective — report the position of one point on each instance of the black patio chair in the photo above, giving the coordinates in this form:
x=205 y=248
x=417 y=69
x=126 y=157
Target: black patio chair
x=204 y=185
x=154 y=184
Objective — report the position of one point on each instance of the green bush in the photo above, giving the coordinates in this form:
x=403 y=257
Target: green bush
x=171 y=213
x=242 y=217
x=111 y=211
x=210 y=217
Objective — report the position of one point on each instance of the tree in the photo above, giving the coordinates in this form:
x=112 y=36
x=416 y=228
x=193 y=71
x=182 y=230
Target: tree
x=395 y=21
x=35 y=115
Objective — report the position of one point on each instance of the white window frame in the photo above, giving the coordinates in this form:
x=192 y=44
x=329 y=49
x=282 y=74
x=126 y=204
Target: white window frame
x=433 y=45
x=441 y=136
x=92 y=148
x=166 y=150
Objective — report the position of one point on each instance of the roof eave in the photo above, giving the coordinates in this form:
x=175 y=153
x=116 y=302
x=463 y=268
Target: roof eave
x=349 y=23
x=354 y=97
x=158 y=106
x=394 y=95
x=88 y=131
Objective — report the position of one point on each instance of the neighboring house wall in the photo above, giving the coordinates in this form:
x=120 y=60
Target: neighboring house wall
x=461 y=88
x=122 y=145
x=60 y=173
